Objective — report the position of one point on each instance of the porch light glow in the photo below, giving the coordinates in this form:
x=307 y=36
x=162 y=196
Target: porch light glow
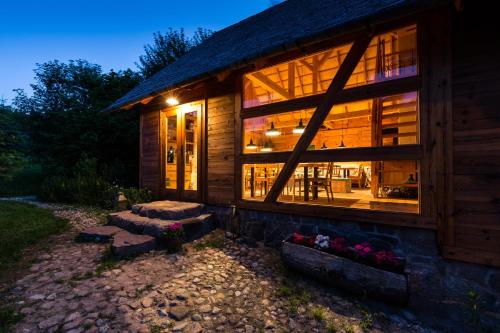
x=300 y=128
x=172 y=101
x=251 y=145
x=272 y=131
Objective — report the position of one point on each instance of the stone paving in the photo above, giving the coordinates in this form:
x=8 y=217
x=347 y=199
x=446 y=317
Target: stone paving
x=214 y=285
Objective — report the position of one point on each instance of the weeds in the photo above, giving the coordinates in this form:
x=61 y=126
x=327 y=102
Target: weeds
x=331 y=327
x=108 y=261
x=140 y=291
x=294 y=298
x=367 y=318
x=318 y=313
x=8 y=318
x=216 y=243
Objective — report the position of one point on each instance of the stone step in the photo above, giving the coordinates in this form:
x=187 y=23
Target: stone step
x=99 y=234
x=194 y=227
x=127 y=245
x=168 y=210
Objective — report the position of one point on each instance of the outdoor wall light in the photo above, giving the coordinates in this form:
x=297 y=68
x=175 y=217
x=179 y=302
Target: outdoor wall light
x=300 y=128
x=272 y=131
x=172 y=101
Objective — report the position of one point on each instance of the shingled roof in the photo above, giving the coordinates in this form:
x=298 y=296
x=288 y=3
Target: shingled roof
x=278 y=28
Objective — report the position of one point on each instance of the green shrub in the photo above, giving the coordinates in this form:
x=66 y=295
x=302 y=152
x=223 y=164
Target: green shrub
x=137 y=195
x=24 y=181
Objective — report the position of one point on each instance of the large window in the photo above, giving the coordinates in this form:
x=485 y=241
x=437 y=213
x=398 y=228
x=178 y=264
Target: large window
x=365 y=154
x=382 y=121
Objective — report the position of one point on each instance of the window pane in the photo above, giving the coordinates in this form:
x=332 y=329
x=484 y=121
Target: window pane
x=274 y=133
x=376 y=185
x=309 y=76
x=389 y=56
x=171 y=176
x=191 y=150
x=383 y=121
x=258 y=179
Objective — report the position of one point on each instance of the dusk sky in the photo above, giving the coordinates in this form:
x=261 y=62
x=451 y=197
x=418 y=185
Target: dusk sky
x=109 y=33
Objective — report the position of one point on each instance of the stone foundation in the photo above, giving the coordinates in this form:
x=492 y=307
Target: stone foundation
x=438 y=288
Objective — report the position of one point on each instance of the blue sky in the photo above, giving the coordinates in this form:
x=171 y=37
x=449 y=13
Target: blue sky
x=109 y=33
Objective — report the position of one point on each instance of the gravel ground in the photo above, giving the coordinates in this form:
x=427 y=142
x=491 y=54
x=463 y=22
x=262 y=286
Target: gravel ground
x=213 y=285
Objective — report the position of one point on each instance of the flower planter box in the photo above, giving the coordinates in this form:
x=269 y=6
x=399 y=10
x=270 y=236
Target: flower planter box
x=346 y=274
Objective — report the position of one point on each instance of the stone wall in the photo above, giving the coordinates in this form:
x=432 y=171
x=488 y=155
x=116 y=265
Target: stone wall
x=438 y=288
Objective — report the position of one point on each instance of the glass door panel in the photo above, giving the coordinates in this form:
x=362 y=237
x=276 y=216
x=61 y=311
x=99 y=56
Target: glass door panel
x=171 y=160
x=191 y=137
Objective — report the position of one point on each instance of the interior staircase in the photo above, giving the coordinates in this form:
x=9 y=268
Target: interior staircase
x=141 y=229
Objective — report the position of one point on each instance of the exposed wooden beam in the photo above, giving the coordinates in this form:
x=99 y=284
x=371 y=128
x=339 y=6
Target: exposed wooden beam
x=268 y=84
x=381 y=89
x=355 y=53
x=385 y=153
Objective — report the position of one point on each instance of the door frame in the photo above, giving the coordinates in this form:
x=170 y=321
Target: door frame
x=179 y=193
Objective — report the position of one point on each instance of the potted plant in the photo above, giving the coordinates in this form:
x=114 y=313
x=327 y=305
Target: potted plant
x=173 y=236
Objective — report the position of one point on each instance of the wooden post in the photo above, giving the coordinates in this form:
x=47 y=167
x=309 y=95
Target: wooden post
x=355 y=53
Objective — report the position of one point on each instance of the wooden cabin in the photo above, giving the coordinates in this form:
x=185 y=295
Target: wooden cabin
x=382 y=114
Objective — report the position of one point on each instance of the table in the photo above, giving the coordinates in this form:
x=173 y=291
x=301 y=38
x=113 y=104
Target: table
x=341 y=185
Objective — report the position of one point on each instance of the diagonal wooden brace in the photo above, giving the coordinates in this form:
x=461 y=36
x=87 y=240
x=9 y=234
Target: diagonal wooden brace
x=345 y=71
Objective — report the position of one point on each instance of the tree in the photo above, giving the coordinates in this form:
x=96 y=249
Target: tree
x=13 y=141
x=168 y=47
x=65 y=118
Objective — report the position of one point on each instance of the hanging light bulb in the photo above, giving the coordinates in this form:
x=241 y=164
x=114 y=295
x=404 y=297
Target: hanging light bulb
x=272 y=131
x=251 y=145
x=300 y=128
x=323 y=147
x=266 y=148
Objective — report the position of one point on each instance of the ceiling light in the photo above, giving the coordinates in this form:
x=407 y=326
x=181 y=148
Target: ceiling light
x=266 y=148
x=300 y=128
x=251 y=145
x=272 y=131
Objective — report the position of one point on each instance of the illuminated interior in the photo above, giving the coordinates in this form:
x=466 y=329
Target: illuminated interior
x=389 y=56
x=377 y=185
x=186 y=137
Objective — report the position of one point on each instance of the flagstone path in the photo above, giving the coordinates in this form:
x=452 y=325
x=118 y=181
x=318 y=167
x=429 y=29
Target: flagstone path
x=233 y=288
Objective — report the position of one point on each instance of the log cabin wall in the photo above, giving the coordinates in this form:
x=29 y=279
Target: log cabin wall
x=476 y=138
x=150 y=172
x=220 y=181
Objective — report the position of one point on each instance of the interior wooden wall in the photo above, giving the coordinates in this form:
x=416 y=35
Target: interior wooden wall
x=476 y=138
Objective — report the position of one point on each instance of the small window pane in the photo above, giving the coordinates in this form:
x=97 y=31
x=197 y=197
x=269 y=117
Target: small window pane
x=389 y=56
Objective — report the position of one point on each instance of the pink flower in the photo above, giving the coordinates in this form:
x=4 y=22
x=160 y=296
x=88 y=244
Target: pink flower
x=339 y=244
x=386 y=257
x=364 y=249
x=298 y=238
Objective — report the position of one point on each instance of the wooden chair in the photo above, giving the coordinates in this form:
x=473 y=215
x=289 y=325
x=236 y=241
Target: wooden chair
x=358 y=177
x=325 y=182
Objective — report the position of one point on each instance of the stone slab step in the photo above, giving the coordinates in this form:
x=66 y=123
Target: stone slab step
x=194 y=227
x=126 y=244
x=168 y=210
x=99 y=234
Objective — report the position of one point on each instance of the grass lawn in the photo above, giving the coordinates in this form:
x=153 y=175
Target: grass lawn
x=22 y=225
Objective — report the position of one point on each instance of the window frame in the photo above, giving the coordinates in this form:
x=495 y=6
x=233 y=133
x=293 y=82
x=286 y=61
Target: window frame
x=423 y=219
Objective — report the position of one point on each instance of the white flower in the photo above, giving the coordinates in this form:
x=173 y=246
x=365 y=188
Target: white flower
x=322 y=242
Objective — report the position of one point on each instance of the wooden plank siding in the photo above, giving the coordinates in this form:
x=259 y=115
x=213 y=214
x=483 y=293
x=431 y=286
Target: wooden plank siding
x=150 y=172
x=220 y=149
x=476 y=140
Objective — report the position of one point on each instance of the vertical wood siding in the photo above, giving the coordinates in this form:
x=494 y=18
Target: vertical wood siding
x=221 y=154
x=150 y=151
x=476 y=139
